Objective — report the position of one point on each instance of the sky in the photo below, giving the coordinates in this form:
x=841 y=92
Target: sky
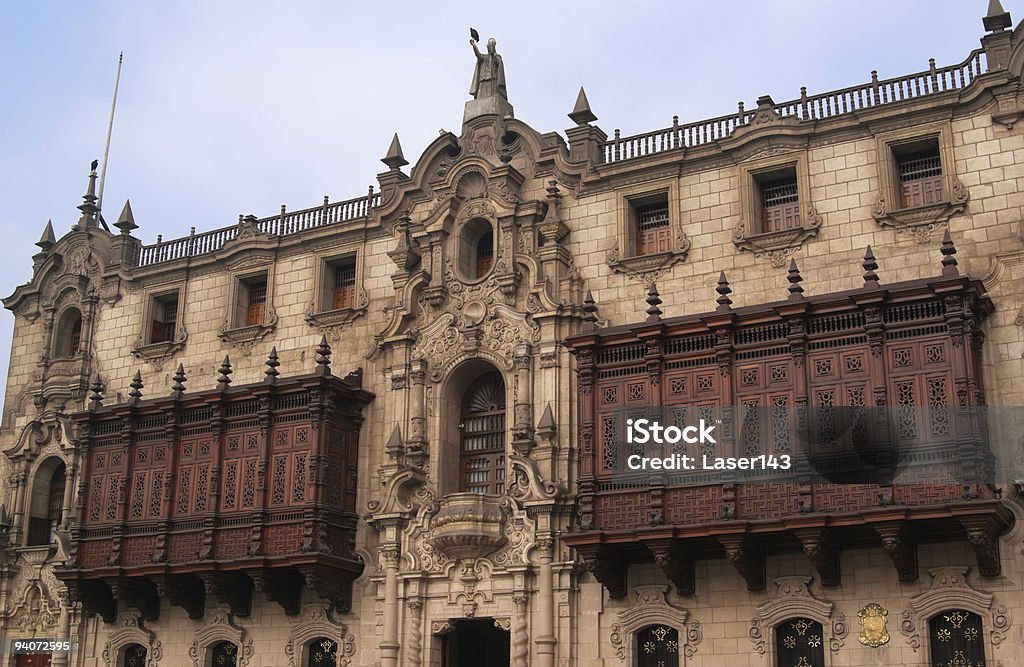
x=233 y=107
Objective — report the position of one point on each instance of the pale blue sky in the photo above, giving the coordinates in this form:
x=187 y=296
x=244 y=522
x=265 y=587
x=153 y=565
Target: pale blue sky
x=238 y=107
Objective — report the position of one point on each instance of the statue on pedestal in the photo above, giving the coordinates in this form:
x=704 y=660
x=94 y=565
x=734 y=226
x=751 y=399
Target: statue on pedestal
x=489 y=73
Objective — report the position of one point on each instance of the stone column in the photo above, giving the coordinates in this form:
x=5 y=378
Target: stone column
x=389 y=644
x=545 y=640
x=520 y=638
x=18 y=515
x=416 y=445
x=71 y=475
x=522 y=425
x=63 y=628
x=414 y=645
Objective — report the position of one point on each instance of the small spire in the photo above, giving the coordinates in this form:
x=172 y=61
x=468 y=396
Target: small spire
x=88 y=206
x=794 y=278
x=126 y=221
x=178 y=388
x=547 y=421
x=272 y=364
x=47 y=240
x=948 y=251
x=136 y=385
x=997 y=19
x=589 y=312
x=653 y=301
x=581 y=113
x=96 y=400
x=395 y=159
x=870 y=265
x=723 y=289
x=224 y=381
x=394 y=445
x=323 y=357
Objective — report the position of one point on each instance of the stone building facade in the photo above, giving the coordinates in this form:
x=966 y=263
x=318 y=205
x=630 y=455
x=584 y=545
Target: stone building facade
x=374 y=432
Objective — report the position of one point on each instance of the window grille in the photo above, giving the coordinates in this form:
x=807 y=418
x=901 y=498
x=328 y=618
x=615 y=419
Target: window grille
x=957 y=639
x=800 y=642
x=657 y=646
x=165 y=322
x=920 y=179
x=76 y=338
x=344 y=286
x=652 y=235
x=135 y=656
x=482 y=447
x=323 y=652
x=225 y=654
x=484 y=255
x=780 y=203
x=256 y=312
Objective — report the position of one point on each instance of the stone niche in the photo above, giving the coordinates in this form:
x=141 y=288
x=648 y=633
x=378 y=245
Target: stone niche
x=468 y=525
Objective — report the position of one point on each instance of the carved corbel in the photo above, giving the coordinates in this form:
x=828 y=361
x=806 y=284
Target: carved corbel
x=183 y=591
x=748 y=559
x=901 y=548
x=607 y=566
x=138 y=594
x=823 y=550
x=983 y=534
x=281 y=586
x=231 y=589
x=677 y=562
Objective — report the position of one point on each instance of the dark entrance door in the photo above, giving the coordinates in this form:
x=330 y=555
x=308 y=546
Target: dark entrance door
x=476 y=643
x=34 y=660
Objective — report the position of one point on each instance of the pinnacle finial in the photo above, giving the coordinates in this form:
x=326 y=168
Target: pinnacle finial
x=794 y=278
x=870 y=266
x=395 y=159
x=47 y=240
x=178 y=388
x=323 y=357
x=224 y=381
x=948 y=251
x=136 y=385
x=653 y=301
x=272 y=364
x=581 y=113
x=589 y=312
x=997 y=18
x=88 y=206
x=126 y=221
x=96 y=399
x=723 y=289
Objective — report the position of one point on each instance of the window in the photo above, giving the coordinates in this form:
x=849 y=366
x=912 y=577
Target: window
x=650 y=222
x=657 y=646
x=779 y=200
x=68 y=341
x=919 y=167
x=484 y=255
x=957 y=639
x=47 y=502
x=476 y=249
x=800 y=642
x=323 y=652
x=163 y=327
x=135 y=656
x=251 y=301
x=344 y=285
x=224 y=654
x=482 y=446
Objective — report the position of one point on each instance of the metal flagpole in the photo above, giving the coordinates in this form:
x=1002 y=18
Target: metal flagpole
x=110 y=129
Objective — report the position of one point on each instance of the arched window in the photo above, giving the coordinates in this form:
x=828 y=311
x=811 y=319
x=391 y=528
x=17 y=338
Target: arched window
x=323 y=652
x=135 y=656
x=68 y=340
x=957 y=638
x=657 y=646
x=47 y=506
x=476 y=248
x=224 y=654
x=482 y=446
x=800 y=641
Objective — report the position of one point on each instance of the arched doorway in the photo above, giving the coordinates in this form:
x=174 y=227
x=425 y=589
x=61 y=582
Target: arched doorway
x=476 y=643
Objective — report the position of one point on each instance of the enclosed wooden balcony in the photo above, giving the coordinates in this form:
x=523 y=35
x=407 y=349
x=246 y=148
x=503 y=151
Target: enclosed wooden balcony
x=222 y=492
x=873 y=397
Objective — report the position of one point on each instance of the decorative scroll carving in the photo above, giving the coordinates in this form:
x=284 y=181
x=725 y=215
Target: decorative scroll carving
x=921 y=221
x=649 y=606
x=220 y=627
x=332 y=323
x=949 y=590
x=158 y=353
x=130 y=630
x=245 y=338
x=318 y=622
x=793 y=598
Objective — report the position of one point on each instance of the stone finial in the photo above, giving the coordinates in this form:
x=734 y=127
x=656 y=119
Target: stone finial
x=870 y=265
x=653 y=301
x=581 y=113
x=96 y=399
x=948 y=251
x=136 y=385
x=723 y=289
x=395 y=159
x=47 y=240
x=88 y=206
x=323 y=357
x=997 y=18
x=272 y=363
x=178 y=388
x=589 y=311
x=546 y=427
x=224 y=378
x=126 y=221
x=394 y=446
x=794 y=278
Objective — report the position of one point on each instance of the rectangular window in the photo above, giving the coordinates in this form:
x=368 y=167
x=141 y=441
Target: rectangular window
x=256 y=309
x=165 y=319
x=780 y=200
x=651 y=224
x=344 y=284
x=919 y=168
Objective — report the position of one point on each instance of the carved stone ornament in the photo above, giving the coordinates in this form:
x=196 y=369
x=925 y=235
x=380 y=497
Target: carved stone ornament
x=794 y=598
x=650 y=606
x=778 y=246
x=33 y=610
x=468 y=525
x=131 y=630
x=950 y=590
x=245 y=338
x=220 y=627
x=650 y=268
x=318 y=622
x=526 y=483
x=873 y=631
x=332 y=323
x=921 y=221
x=158 y=353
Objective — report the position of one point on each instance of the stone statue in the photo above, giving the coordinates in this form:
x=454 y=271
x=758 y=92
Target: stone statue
x=489 y=73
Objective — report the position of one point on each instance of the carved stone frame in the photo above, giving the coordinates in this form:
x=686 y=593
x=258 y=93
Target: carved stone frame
x=777 y=246
x=130 y=630
x=158 y=353
x=794 y=599
x=246 y=337
x=920 y=220
x=650 y=607
x=951 y=590
x=318 y=622
x=327 y=320
x=622 y=257
x=220 y=627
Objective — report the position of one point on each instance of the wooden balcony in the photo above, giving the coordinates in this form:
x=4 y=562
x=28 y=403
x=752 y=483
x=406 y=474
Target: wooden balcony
x=219 y=492
x=874 y=394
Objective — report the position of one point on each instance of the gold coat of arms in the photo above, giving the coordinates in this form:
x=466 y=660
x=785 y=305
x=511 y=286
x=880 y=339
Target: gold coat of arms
x=872 y=625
